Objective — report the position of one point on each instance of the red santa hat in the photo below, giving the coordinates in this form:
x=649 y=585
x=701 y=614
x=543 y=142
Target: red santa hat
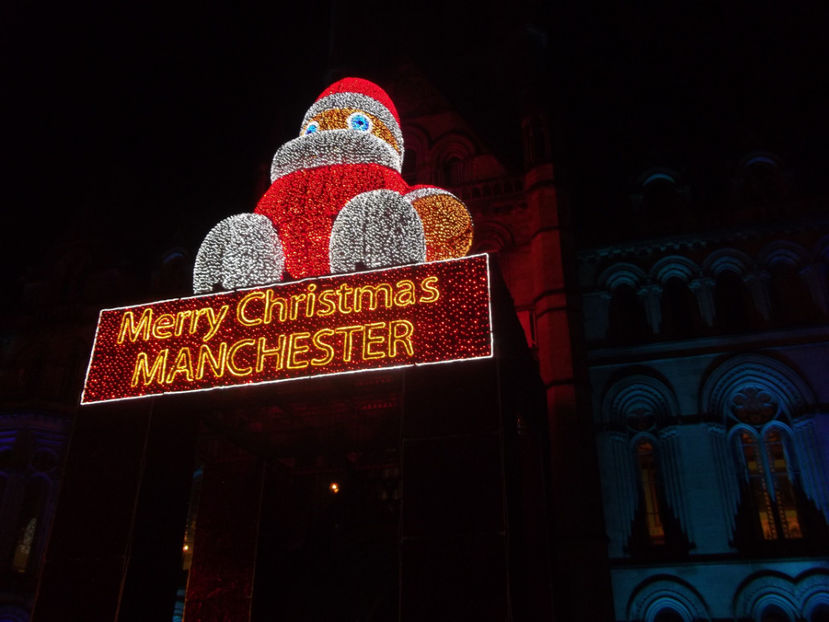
x=363 y=95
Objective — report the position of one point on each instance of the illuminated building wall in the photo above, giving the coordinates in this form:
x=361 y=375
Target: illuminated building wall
x=707 y=356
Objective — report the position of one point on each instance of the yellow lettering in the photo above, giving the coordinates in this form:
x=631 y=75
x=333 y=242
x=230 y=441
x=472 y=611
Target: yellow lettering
x=329 y=305
x=180 y=317
x=150 y=374
x=294 y=348
x=215 y=320
x=263 y=352
x=400 y=332
x=373 y=292
x=182 y=365
x=270 y=302
x=370 y=340
x=310 y=300
x=295 y=302
x=426 y=286
x=405 y=295
x=347 y=332
x=130 y=329
x=343 y=294
x=243 y=303
x=163 y=326
x=322 y=345
x=217 y=365
x=232 y=367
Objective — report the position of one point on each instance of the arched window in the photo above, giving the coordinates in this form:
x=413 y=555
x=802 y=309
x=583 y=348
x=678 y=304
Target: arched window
x=668 y=615
x=773 y=613
x=820 y=614
x=769 y=477
x=28 y=523
x=646 y=467
x=731 y=302
x=680 y=312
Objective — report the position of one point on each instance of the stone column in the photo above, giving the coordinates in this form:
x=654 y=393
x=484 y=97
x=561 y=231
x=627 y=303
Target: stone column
x=651 y=297
x=758 y=284
x=703 y=288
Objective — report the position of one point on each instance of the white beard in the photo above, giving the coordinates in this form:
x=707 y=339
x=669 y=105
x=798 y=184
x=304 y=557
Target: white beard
x=327 y=147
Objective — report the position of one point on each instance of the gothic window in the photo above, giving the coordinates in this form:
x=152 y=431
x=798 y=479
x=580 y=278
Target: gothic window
x=646 y=467
x=764 y=458
x=680 y=312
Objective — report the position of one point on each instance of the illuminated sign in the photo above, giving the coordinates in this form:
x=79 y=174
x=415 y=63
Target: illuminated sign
x=426 y=313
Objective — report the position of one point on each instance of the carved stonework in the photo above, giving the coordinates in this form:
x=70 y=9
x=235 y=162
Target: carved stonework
x=641 y=419
x=754 y=406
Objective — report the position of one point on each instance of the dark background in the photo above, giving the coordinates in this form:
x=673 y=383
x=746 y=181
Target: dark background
x=143 y=126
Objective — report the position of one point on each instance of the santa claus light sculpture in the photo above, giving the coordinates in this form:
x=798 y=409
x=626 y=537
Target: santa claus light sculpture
x=337 y=202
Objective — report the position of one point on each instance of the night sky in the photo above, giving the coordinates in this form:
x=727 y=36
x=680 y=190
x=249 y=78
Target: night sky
x=148 y=125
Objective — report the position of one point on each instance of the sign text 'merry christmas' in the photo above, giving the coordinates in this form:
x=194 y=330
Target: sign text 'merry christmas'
x=426 y=313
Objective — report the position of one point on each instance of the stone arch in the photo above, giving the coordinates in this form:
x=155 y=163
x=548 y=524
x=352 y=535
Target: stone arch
x=765 y=589
x=639 y=394
x=674 y=266
x=811 y=591
x=728 y=377
x=785 y=252
x=680 y=307
x=759 y=179
x=450 y=154
x=629 y=303
x=787 y=267
x=665 y=591
x=659 y=174
x=725 y=260
x=621 y=274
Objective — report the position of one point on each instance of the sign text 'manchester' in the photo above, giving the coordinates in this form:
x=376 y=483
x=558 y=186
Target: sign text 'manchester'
x=424 y=313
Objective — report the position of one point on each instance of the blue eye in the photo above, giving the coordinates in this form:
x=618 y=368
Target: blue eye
x=360 y=122
x=311 y=128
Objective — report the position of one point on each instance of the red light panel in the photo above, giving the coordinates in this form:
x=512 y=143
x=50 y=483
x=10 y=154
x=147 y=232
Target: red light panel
x=420 y=314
